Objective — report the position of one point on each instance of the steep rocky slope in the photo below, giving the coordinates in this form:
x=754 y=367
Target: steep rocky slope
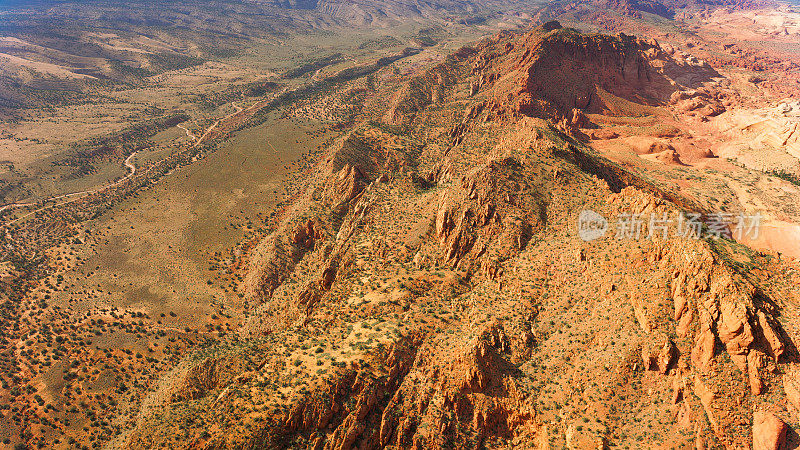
x=428 y=288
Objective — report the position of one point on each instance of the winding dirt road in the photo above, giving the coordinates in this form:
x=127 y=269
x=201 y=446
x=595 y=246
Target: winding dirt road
x=128 y=164
x=131 y=172
x=212 y=127
x=189 y=134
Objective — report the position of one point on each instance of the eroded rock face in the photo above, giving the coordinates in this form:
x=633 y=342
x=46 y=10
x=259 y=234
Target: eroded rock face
x=482 y=221
x=697 y=103
x=580 y=63
x=304 y=234
x=578 y=119
x=659 y=354
x=727 y=310
x=344 y=186
x=707 y=397
x=272 y=260
x=458 y=382
x=773 y=340
x=755 y=362
x=703 y=351
x=362 y=421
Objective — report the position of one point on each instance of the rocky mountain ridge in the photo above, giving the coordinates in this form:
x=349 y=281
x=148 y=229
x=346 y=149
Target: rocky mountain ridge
x=428 y=290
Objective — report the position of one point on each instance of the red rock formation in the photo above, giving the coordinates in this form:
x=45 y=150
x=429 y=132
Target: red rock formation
x=773 y=340
x=474 y=384
x=578 y=119
x=304 y=234
x=345 y=186
x=659 y=354
x=698 y=103
x=483 y=219
x=471 y=379
x=670 y=157
x=562 y=70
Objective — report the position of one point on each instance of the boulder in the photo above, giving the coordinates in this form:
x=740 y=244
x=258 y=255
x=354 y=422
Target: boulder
x=769 y=432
